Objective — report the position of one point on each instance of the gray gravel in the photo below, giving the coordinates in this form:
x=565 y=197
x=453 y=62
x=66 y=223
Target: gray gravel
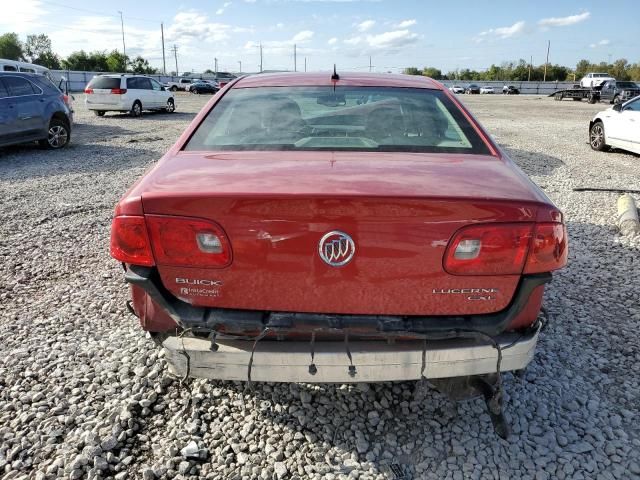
x=84 y=394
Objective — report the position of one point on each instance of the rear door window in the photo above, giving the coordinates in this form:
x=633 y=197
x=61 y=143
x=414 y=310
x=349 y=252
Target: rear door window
x=19 y=87
x=9 y=68
x=3 y=90
x=104 y=83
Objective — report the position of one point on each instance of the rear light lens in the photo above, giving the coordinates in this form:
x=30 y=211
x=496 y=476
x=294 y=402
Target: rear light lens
x=491 y=249
x=88 y=90
x=118 y=91
x=188 y=242
x=130 y=241
x=549 y=248
x=507 y=249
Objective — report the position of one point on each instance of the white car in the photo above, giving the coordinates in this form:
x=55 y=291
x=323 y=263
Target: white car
x=457 y=89
x=127 y=93
x=591 y=80
x=617 y=127
x=487 y=89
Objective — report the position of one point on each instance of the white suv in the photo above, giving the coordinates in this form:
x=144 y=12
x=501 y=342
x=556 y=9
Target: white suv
x=591 y=80
x=127 y=93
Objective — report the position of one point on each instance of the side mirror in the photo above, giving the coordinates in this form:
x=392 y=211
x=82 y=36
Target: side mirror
x=617 y=107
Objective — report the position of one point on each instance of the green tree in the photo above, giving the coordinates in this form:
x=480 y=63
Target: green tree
x=116 y=62
x=412 y=71
x=37 y=49
x=11 y=47
x=141 y=65
x=432 y=72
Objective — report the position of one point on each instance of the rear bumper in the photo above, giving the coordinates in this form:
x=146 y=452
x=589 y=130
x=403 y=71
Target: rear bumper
x=108 y=107
x=374 y=361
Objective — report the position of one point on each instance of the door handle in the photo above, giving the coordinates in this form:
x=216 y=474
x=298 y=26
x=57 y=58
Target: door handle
x=27 y=117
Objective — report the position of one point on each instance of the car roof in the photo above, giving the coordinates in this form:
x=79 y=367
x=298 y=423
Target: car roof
x=350 y=79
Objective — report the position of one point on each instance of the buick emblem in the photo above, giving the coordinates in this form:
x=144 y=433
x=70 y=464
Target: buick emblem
x=336 y=248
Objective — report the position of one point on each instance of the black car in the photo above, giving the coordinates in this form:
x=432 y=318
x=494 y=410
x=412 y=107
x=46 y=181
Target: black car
x=33 y=109
x=203 y=87
x=510 y=90
x=473 y=88
x=618 y=92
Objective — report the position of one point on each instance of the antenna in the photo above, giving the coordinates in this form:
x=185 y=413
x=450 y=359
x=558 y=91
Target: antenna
x=335 y=75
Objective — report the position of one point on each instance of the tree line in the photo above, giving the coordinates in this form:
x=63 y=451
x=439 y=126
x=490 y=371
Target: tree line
x=37 y=49
x=621 y=69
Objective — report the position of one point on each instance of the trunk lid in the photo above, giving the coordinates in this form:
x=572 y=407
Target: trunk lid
x=401 y=210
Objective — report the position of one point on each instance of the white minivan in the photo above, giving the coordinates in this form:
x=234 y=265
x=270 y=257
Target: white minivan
x=127 y=93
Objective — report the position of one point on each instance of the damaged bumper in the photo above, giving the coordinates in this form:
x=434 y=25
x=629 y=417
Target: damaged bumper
x=371 y=361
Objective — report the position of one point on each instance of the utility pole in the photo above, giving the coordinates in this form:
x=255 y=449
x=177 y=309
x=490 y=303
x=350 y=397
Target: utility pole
x=544 y=79
x=175 y=55
x=370 y=67
x=240 y=66
x=295 y=59
x=260 y=57
x=215 y=60
x=530 y=62
x=305 y=64
x=124 y=49
x=164 y=61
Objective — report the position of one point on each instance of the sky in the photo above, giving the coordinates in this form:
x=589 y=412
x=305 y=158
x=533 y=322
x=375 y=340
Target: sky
x=394 y=33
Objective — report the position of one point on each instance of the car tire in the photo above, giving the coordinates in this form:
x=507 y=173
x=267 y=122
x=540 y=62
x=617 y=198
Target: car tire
x=99 y=113
x=58 y=135
x=597 y=137
x=592 y=98
x=136 y=109
x=171 y=106
x=174 y=89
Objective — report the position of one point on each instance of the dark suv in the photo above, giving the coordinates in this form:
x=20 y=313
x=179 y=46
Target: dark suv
x=33 y=109
x=618 y=92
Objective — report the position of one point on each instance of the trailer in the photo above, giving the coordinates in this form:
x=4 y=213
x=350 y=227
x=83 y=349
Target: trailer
x=577 y=94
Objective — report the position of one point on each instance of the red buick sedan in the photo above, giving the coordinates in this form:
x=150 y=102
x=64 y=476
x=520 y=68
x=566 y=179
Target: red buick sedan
x=339 y=228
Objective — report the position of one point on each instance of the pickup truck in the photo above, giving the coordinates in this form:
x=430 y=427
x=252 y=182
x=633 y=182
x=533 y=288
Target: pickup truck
x=618 y=92
x=297 y=234
x=182 y=84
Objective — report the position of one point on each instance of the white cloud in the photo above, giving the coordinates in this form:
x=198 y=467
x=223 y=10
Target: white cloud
x=302 y=37
x=281 y=47
x=20 y=17
x=407 y=23
x=502 y=32
x=601 y=43
x=391 y=40
x=564 y=21
x=221 y=10
x=332 y=41
x=365 y=26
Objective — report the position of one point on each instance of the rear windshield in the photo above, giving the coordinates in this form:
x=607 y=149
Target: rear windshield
x=344 y=118
x=104 y=82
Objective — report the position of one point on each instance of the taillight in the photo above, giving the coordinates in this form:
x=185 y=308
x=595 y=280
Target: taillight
x=188 y=242
x=88 y=90
x=118 y=91
x=507 y=249
x=130 y=241
x=549 y=248
x=489 y=249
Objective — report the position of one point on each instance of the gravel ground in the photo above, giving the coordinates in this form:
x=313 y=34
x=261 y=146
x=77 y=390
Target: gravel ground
x=84 y=394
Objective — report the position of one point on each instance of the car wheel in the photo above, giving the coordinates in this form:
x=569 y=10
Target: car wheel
x=58 y=135
x=171 y=106
x=99 y=113
x=596 y=137
x=592 y=98
x=136 y=109
x=174 y=89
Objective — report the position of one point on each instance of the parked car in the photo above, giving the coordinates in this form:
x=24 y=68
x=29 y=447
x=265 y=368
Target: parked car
x=17 y=66
x=591 y=80
x=127 y=93
x=618 y=92
x=457 y=89
x=473 y=88
x=182 y=84
x=487 y=90
x=510 y=90
x=290 y=225
x=617 y=127
x=33 y=109
x=203 y=86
